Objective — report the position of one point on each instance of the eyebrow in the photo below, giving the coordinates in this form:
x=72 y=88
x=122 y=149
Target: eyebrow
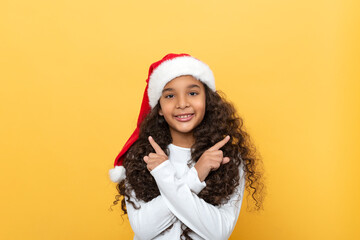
x=190 y=86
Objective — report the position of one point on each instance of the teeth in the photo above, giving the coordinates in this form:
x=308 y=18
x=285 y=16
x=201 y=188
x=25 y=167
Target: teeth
x=184 y=116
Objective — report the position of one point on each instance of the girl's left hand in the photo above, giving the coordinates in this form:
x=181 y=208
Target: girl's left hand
x=155 y=159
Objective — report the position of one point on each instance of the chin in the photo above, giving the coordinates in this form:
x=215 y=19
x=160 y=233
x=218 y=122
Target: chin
x=184 y=130
x=188 y=130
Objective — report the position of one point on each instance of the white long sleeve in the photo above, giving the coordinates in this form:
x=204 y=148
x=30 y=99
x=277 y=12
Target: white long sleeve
x=178 y=203
x=151 y=219
x=206 y=220
x=154 y=216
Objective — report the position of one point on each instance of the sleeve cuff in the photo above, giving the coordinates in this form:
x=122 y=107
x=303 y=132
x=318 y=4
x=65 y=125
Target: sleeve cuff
x=193 y=181
x=159 y=167
x=191 y=178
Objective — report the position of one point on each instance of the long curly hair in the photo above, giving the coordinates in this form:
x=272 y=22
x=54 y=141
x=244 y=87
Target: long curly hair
x=220 y=119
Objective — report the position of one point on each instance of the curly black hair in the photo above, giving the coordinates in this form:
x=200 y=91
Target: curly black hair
x=221 y=183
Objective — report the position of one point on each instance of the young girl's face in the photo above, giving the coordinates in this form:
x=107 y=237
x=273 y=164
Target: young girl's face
x=182 y=104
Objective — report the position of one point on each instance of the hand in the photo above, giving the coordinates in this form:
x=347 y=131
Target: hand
x=155 y=159
x=211 y=159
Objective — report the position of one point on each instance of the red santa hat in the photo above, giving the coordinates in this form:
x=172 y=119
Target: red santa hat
x=160 y=73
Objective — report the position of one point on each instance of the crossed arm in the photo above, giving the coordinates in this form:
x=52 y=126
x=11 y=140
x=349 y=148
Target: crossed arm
x=154 y=216
x=178 y=200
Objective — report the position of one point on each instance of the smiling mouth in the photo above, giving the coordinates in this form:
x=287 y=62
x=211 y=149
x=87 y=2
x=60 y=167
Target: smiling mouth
x=184 y=117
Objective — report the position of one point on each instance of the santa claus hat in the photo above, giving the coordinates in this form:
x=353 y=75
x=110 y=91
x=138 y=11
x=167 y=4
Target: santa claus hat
x=160 y=73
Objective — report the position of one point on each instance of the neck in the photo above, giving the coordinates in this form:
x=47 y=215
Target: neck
x=185 y=140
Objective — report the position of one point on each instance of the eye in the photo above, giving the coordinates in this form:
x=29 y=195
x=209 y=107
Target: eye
x=169 y=96
x=193 y=93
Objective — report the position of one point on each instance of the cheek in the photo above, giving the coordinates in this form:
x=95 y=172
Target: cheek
x=201 y=105
x=200 y=112
x=163 y=107
x=166 y=110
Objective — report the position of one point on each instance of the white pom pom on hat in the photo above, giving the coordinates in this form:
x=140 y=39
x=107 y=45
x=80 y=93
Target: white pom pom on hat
x=160 y=73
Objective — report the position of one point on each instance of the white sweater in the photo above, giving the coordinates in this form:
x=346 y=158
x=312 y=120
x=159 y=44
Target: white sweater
x=178 y=203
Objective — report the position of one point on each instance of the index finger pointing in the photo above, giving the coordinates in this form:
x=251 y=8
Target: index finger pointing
x=156 y=147
x=220 y=144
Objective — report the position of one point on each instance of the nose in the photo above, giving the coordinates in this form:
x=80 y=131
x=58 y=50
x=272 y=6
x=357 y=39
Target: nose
x=182 y=102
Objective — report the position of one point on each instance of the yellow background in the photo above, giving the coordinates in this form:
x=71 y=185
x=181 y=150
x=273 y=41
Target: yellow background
x=73 y=74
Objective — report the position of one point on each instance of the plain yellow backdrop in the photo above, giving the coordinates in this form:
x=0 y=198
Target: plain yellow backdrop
x=72 y=77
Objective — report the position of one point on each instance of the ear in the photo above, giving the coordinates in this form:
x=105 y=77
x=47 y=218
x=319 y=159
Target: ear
x=161 y=112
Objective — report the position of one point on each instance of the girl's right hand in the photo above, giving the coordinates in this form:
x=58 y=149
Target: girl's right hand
x=155 y=159
x=211 y=159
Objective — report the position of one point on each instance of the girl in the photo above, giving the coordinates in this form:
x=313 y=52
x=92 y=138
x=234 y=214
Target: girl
x=184 y=169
